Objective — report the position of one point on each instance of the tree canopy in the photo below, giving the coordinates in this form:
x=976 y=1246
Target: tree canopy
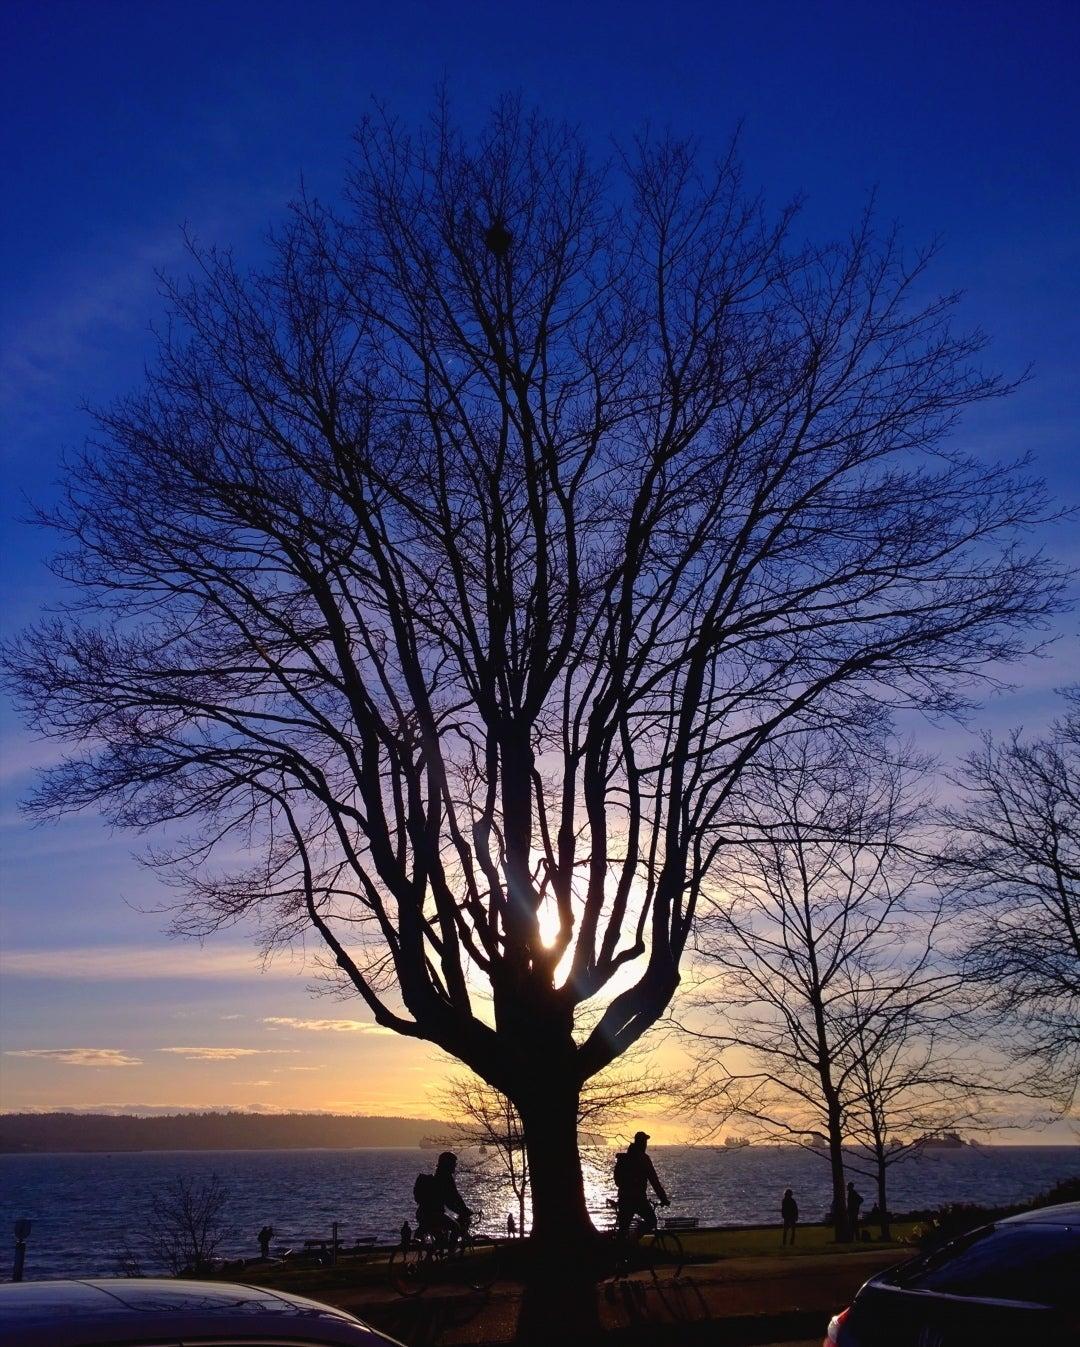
x=451 y=568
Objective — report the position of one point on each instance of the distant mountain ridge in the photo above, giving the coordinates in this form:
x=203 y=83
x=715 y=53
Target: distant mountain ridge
x=37 y=1132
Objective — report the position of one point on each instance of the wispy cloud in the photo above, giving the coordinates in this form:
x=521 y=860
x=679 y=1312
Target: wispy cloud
x=325 y=1026
x=135 y=962
x=213 y=1054
x=78 y=1056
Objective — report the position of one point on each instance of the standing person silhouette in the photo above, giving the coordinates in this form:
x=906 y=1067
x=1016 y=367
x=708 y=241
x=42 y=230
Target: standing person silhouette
x=854 y=1202
x=789 y=1214
x=266 y=1234
x=634 y=1173
x=434 y=1193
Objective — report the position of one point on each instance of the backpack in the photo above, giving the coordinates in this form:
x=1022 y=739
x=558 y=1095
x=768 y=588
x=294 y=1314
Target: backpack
x=620 y=1173
x=424 y=1190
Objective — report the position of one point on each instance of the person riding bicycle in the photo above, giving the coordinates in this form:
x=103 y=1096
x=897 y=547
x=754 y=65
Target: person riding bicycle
x=434 y=1193
x=634 y=1172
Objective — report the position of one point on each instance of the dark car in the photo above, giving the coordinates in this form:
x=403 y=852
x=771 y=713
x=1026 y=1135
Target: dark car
x=146 y=1312
x=1016 y=1281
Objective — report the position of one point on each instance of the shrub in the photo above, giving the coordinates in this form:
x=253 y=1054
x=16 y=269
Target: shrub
x=956 y=1218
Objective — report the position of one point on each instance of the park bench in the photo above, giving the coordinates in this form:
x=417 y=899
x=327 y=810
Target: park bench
x=680 y=1222
x=321 y=1249
x=322 y=1246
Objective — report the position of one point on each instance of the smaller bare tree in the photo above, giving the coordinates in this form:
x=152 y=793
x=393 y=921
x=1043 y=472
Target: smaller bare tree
x=129 y=1261
x=187 y=1225
x=910 y=1082
x=483 y=1117
x=817 y=957
x=1015 y=851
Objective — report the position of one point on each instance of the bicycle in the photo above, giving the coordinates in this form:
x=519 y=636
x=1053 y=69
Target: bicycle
x=423 y=1258
x=656 y=1248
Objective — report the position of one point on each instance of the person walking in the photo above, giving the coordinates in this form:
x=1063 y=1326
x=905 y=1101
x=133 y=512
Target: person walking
x=854 y=1202
x=266 y=1234
x=789 y=1214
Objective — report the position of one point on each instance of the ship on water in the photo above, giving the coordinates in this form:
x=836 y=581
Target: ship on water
x=943 y=1141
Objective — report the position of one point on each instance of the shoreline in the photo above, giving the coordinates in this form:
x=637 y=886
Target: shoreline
x=970 y=1147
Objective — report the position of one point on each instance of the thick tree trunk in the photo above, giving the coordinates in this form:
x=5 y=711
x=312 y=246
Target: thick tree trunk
x=560 y=1219
x=564 y=1241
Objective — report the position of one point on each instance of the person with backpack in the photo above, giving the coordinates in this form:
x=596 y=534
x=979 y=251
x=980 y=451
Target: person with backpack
x=434 y=1193
x=633 y=1175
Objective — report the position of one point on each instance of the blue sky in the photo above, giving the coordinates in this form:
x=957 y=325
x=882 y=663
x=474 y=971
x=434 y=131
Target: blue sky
x=122 y=121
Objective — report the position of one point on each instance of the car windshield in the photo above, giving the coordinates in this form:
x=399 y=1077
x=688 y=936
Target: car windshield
x=1034 y=1263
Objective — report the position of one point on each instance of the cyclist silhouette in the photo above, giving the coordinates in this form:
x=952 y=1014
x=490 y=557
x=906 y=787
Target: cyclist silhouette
x=434 y=1193
x=634 y=1173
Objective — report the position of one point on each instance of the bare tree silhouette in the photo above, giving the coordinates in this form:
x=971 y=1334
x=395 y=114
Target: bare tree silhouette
x=456 y=565
x=187 y=1223
x=1015 y=850
x=915 y=1076
x=824 y=1011
x=478 y=1115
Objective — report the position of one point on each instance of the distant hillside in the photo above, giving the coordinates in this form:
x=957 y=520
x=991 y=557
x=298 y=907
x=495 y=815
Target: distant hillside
x=204 y=1131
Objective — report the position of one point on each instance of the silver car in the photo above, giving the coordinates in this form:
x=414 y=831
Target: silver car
x=148 y=1312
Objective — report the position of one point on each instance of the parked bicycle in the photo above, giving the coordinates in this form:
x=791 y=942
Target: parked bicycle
x=465 y=1258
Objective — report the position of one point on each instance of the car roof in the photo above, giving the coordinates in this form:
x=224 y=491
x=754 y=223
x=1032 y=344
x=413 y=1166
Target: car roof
x=1065 y=1213
x=159 y=1310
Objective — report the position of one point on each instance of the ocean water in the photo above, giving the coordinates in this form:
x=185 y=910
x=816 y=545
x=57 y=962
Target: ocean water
x=85 y=1207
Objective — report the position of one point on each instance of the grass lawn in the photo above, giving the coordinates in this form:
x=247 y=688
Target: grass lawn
x=702 y=1247
x=765 y=1242
x=304 y=1279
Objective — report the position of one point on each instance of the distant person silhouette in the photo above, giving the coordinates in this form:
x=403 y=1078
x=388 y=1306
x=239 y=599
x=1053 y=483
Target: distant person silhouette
x=434 y=1193
x=511 y=1225
x=854 y=1202
x=789 y=1213
x=634 y=1173
x=266 y=1234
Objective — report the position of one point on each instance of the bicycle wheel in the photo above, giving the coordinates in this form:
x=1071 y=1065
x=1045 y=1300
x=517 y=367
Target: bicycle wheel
x=478 y=1262
x=409 y=1269
x=667 y=1253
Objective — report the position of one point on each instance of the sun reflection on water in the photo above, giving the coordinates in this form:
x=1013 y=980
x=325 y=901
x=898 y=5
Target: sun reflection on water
x=489 y=1191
